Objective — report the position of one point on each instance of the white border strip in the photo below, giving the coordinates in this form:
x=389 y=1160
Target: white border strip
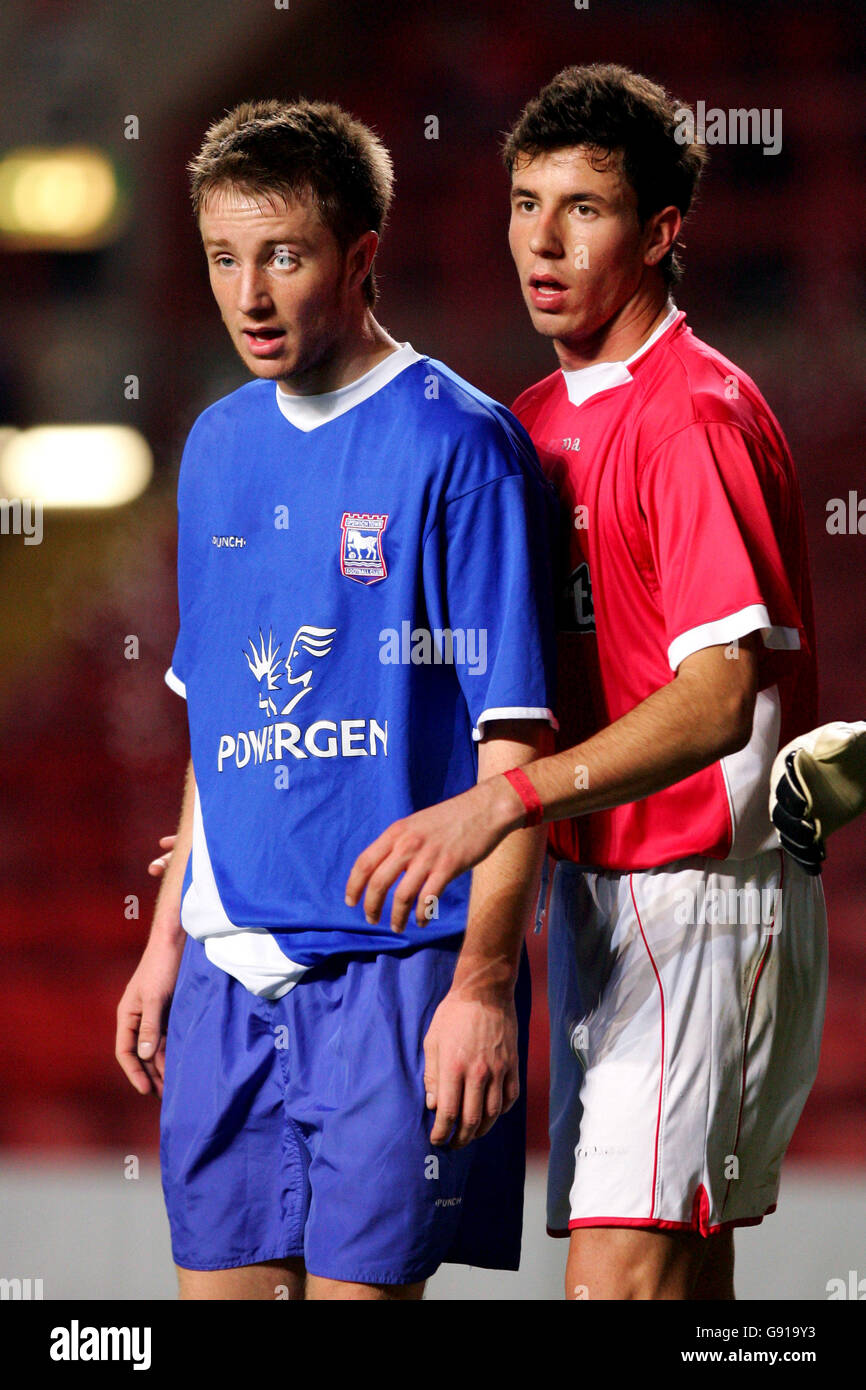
x=515 y=712
x=174 y=684
x=755 y=618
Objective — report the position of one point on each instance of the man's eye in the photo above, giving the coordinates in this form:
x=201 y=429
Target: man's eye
x=283 y=260
x=584 y=207
x=223 y=261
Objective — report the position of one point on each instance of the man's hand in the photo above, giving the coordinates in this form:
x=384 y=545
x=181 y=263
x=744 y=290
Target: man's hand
x=432 y=847
x=142 y=1015
x=471 y=1058
x=471 y=1074
x=157 y=867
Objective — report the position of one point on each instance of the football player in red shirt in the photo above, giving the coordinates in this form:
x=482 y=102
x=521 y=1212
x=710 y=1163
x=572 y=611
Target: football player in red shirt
x=687 y=953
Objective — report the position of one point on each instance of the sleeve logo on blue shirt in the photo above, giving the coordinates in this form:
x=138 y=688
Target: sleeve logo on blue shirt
x=361 y=555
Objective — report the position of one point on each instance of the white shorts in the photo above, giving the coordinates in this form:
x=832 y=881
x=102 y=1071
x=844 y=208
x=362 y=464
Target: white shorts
x=686 y=1009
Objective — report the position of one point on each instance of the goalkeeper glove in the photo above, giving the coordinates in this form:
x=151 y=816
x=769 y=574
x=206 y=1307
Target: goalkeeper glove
x=818 y=783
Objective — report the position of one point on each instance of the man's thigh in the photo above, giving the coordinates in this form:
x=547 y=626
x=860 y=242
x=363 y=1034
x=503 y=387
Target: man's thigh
x=298 y=1129
x=284 y=1281
x=686 y=1009
x=272 y=1281
x=338 y=1290
x=386 y=1205
x=620 y=1263
x=234 y=1169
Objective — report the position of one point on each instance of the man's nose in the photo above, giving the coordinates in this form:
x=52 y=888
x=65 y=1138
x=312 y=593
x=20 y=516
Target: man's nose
x=545 y=239
x=254 y=294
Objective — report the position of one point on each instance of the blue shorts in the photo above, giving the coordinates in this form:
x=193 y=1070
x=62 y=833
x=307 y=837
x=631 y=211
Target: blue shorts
x=297 y=1127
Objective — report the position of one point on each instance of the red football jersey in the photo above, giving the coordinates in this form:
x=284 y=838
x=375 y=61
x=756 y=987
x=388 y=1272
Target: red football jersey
x=685 y=530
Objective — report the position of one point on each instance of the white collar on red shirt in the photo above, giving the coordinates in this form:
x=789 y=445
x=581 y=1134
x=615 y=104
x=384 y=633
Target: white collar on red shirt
x=588 y=381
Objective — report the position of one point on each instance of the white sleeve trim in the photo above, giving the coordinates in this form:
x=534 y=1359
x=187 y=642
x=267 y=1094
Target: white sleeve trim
x=512 y=712
x=755 y=618
x=174 y=684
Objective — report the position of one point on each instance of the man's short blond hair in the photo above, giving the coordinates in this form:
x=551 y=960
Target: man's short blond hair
x=290 y=150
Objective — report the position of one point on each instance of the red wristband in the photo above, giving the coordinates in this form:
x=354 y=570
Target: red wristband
x=528 y=795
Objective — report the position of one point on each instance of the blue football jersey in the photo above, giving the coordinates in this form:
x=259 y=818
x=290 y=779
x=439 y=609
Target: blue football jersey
x=359 y=593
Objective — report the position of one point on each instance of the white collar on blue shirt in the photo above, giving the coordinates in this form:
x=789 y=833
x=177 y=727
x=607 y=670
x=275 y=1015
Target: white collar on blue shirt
x=308 y=412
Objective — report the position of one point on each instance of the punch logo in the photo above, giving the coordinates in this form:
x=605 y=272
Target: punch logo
x=228 y=542
x=361 y=556
x=307 y=642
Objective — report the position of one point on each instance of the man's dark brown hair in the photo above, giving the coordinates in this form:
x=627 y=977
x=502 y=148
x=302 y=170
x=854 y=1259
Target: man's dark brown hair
x=300 y=149
x=612 y=111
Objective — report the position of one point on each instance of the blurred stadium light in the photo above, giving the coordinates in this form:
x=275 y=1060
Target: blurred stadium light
x=76 y=465
x=66 y=199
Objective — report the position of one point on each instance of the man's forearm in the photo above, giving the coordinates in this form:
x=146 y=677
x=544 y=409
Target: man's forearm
x=504 y=893
x=166 y=914
x=504 y=887
x=676 y=731
x=648 y=749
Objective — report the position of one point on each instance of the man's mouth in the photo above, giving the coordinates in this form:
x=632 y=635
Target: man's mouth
x=542 y=282
x=547 y=292
x=264 y=340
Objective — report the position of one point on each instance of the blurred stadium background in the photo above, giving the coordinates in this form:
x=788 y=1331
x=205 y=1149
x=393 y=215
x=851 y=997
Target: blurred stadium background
x=108 y=320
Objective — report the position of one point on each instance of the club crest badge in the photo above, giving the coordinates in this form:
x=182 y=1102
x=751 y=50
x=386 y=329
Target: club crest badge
x=361 y=554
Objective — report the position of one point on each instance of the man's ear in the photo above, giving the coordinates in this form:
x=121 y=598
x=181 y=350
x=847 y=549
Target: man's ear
x=661 y=232
x=360 y=256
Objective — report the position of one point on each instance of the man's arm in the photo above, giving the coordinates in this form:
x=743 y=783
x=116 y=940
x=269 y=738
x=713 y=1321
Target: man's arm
x=703 y=714
x=471 y=1071
x=142 y=1013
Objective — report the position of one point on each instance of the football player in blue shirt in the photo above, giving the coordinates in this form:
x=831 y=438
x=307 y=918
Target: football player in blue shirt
x=365 y=630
